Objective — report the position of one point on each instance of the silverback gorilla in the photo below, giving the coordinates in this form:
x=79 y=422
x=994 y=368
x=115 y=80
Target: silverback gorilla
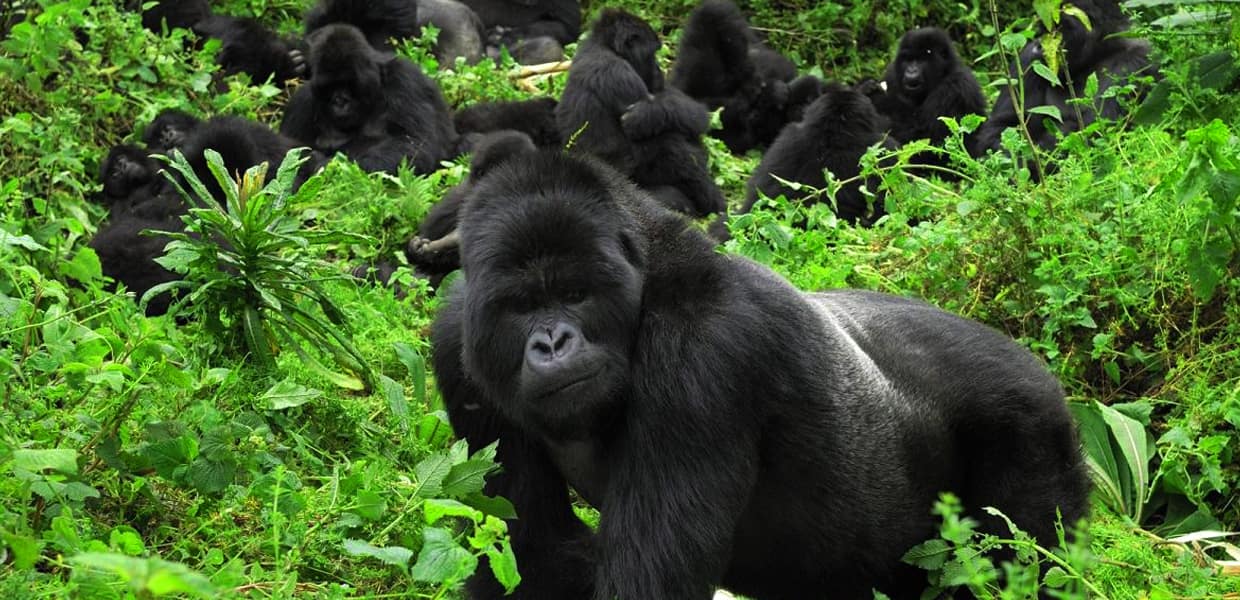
x=731 y=429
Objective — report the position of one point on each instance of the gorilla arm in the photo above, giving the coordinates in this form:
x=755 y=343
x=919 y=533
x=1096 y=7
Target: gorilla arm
x=682 y=481
x=669 y=110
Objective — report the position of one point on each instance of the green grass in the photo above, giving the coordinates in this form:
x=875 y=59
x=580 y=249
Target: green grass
x=142 y=459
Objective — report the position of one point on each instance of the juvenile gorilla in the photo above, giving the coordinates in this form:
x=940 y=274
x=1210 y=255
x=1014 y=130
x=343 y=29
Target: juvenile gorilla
x=241 y=144
x=169 y=130
x=247 y=46
x=377 y=109
x=721 y=63
x=730 y=429
x=1114 y=59
x=925 y=82
x=837 y=130
x=615 y=106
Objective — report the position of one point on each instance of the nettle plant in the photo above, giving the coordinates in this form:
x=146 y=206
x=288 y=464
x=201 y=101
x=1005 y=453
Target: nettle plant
x=247 y=269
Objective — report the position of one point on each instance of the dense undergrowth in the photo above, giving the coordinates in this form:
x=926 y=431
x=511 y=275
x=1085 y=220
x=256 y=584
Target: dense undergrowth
x=142 y=458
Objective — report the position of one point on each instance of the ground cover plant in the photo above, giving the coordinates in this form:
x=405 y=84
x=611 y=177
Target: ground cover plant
x=281 y=435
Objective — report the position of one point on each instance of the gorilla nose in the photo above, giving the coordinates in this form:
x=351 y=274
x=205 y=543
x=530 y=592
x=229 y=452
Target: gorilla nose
x=550 y=348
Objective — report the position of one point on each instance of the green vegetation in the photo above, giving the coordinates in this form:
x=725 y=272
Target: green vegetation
x=288 y=441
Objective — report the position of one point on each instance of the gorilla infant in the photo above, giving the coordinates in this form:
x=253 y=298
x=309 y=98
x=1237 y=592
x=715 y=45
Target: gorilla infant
x=731 y=429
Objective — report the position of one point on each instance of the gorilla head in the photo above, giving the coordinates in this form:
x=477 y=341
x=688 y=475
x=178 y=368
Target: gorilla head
x=632 y=39
x=125 y=170
x=924 y=59
x=1081 y=44
x=554 y=321
x=348 y=78
x=169 y=130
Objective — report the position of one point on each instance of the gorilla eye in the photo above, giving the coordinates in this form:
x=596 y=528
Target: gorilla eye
x=575 y=296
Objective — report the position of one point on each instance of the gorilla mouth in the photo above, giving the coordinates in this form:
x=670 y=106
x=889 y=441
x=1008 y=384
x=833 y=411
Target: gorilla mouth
x=572 y=383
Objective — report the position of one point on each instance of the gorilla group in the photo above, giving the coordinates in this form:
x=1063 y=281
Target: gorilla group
x=1088 y=50
x=616 y=107
x=731 y=430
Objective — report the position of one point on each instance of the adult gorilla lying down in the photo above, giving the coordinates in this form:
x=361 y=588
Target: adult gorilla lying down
x=731 y=429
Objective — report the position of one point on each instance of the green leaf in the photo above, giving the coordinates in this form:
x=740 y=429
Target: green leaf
x=1049 y=111
x=1056 y=578
x=84 y=267
x=148 y=576
x=370 y=505
x=127 y=540
x=441 y=559
x=497 y=506
x=416 y=364
x=393 y=555
x=929 y=555
x=287 y=394
x=395 y=395
x=467 y=478
x=430 y=474
x=1101 y=460
x=34 y=461
x=438 y=508
x=210 y=476
x=1136 y=449
x=504 y=566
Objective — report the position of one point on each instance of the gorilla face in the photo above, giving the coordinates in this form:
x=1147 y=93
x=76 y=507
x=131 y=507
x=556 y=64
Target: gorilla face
x=925 y=57
x=124 y=170
x=348 y=78
x=552 y=297
x=169 y=130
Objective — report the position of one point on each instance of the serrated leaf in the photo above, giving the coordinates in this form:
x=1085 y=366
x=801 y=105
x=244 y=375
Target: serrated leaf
x=210 y=477
x=1056 y=578
x=929 y=555
x=84 y=267
x=441 y=559
x=504 y=566
x=430 y=474
x=370 y=505
x=467 y=478
x=287 y=394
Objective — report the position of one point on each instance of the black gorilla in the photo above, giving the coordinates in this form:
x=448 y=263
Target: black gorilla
x=247 y=46
x=241 y=144
x=721 y=63
x=534 y=31
x=169 y=130
x=377 y=109
x=616 y=107
x=837 y=130
x=175 y=14
x=730 y=429
x=535 y=118
x=129 y=176
x=435 y=251
x=378 y=20
x=128 y=257
x=925 y=82
x=1114 y=59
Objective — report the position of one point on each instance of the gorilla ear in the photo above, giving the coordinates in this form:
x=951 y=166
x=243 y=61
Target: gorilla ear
x=497 y=147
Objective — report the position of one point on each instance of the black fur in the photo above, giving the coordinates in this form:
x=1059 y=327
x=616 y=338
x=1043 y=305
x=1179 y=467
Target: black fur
x=169 y=130
x=616 y=107
x=837 y=129
x=927 y=81
x=378 y=20
x=535 y=118
x=241 y=144
x=128 y=257
x=435 y=251
x=1113 y=58
x=249 y=47
x=134 y=186
x=721 y=63
x=731 y=430
x=175 y=14
x=533 y=31
x=378 y=110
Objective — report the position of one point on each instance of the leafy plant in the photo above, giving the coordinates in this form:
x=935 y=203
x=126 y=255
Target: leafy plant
x=246 y=269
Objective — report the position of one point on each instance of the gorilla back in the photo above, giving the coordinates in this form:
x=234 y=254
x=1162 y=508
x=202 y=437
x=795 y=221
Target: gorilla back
x=731 y=429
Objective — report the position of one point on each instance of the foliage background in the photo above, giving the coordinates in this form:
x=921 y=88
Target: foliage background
x=143 y=459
